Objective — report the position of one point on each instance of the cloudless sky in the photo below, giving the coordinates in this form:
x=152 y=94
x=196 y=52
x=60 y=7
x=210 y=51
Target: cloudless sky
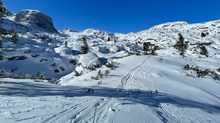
x=120 y=15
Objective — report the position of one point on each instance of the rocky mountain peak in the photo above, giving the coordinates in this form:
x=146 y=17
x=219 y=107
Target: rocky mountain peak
x=35 y=17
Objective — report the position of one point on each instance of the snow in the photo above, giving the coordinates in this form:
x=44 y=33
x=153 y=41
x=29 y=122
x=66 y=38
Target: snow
x=136 y=100
x=139 y=88
x=89 y=60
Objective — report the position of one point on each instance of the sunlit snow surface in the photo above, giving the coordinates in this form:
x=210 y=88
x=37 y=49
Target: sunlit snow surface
x=179 y=98
x=142 y=89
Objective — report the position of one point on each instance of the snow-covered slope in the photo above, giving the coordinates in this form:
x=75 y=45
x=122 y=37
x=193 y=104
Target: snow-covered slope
x=136 y=92
x=104 y=77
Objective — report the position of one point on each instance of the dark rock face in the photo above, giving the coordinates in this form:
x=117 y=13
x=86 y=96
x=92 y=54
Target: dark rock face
x=35 y=17
x=4 y=11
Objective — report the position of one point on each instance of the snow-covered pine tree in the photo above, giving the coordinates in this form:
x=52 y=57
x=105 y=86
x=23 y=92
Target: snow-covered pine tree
x=85 y=48
x=181 y=45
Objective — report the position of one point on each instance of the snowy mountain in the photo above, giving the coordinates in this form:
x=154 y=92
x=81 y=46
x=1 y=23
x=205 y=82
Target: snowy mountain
x=169 y=73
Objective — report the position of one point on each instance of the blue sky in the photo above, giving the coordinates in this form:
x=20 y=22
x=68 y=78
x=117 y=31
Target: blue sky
x=120 y=15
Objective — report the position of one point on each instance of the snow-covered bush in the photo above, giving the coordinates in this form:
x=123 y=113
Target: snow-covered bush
x=203 y=72
x=112 y=65
x=204 y=34
x=59 y=69
x=186 y=67
x=56 y=70
x=43 y=60
x=39 y=76
x=73 y=61
x=107 y=72
x=77 y=73
x=98 y=76
x=153 y=52
x=44 y=37
x=19 y=76
x=149 y=48
x=203 y=51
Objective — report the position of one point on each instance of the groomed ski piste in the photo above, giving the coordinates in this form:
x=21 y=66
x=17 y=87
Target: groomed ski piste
x=137 y=89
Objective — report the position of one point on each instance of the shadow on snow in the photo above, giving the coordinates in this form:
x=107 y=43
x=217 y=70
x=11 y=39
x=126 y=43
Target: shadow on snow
x=25 y=89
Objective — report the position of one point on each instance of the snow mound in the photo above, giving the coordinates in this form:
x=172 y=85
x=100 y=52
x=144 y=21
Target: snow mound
x=63 y=50
x=89 y=60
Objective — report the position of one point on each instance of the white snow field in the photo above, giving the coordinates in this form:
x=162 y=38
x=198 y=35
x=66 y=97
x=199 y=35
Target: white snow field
x=128 y=95
x=48 y=76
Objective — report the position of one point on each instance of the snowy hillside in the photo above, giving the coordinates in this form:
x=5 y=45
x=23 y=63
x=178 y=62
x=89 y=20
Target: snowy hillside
x=169 y=73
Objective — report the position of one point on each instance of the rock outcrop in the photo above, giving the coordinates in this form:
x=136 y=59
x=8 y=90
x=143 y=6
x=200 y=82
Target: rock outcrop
x=34 y=17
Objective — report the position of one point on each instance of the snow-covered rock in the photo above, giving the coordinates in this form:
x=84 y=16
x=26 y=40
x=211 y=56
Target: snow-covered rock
x=34 y=17
x=89 y=60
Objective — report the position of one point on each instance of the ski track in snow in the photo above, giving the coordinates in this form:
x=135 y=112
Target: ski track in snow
x=124 y=80
x=126 y=83
x=98 y=109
